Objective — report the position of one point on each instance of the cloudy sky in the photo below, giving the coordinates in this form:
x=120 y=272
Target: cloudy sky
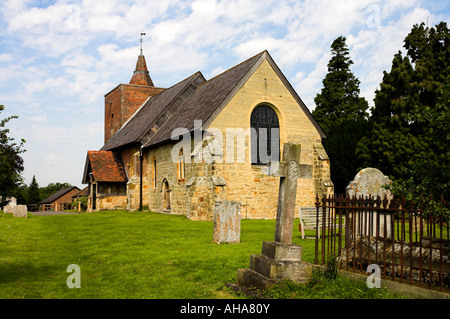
x=59 y=58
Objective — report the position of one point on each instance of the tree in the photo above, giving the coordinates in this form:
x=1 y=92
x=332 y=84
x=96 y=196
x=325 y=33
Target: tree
x=33 y=192
x=342 y=114
x=51 y=189
x=11 y=163
x=410 y=138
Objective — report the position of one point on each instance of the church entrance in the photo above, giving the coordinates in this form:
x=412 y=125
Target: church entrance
x=166 y=196
x=94 y=196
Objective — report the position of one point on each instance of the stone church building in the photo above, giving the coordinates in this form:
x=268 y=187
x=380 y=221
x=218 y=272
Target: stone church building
x=178 y=150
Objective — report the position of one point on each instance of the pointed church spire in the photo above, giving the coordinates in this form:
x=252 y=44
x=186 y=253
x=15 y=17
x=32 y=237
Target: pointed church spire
x=141 y=75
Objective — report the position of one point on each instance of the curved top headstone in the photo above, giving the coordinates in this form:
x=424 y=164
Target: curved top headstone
x=368 y=182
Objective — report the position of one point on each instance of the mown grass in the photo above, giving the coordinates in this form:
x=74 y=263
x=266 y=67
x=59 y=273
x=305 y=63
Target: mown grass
x=129 y=255
x=321 y=287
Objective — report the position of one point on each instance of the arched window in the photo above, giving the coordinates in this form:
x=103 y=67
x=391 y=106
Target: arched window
x=265 y=135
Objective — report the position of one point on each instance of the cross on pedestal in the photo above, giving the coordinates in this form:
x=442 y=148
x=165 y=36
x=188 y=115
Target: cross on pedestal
x=289 y=170
x=281 y=259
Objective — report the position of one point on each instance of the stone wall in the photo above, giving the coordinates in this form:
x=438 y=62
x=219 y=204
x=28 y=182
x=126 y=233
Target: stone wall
x=257 y=192
x=154 y=186
x=111 y=202
x=205 y=182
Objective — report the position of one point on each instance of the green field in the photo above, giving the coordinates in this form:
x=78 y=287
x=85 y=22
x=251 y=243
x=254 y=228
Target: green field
x=137 y=255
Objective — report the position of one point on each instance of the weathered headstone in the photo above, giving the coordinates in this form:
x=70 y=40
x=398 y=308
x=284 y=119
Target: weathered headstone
x=368 y=184
x=12 y=202
x=20 y=211
x=8 y=209
x=281 y=259
x=227 y=222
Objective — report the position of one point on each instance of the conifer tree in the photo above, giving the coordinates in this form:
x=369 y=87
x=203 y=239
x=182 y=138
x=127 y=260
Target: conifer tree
x=342 y=114
x=410 y=139
x=33 y=192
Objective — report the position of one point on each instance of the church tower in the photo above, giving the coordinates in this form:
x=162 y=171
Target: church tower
x=125 y=99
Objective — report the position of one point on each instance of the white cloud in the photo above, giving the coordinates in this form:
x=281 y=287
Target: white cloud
x=6 y=57
x=216 y=71
x=58 y=61
x=308 y=86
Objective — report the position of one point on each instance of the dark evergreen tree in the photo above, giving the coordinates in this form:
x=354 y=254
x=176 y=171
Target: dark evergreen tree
x=410 y=139
x=33 y=192
x=342 y=114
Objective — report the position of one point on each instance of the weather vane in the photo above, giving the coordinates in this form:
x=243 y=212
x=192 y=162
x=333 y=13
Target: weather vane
x=140 y=40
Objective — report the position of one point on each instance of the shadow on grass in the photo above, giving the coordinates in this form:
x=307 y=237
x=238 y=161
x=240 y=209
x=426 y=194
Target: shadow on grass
x=12 y=272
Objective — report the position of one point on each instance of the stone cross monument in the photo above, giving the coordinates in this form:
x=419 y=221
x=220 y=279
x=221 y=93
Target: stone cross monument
x=289 y=171
x=280 y=259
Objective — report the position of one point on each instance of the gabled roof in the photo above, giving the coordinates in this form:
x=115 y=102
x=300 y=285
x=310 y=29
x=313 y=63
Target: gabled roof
x=205 y=100
x=105 y=166
x=83 y=192
x=192 y=99
x=58 y=194
x=154 y=113
x=212 y=96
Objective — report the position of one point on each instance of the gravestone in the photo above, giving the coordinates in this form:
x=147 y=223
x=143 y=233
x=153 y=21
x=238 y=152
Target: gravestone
x=368 y=184
x=20 y=211
x=227 y=222
x=12 y=202
x=281 y=259
x=8 y=209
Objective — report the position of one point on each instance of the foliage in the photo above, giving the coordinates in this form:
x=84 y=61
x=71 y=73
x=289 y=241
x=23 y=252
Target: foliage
x=410 y=136
x=340 y=146
x=339 y=98
x=342 y=114
x=33 y=192
x=331 y=269
x=80 y=200
x=51 y=189
x=11 y=163
x=322 y=287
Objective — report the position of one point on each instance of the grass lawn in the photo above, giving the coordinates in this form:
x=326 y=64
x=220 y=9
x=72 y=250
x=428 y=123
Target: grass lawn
x=136 y=255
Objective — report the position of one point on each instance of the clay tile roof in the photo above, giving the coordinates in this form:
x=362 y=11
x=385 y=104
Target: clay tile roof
x=141 y=75
x=105 y=167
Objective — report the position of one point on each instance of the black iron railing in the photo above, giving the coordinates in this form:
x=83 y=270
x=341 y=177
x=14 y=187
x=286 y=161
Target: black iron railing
x=403 y=238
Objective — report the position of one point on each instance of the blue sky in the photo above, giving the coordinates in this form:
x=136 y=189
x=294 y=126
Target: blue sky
x=59 y=58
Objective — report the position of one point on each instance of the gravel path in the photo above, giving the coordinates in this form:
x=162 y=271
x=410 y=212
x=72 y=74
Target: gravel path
x=48 y=212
